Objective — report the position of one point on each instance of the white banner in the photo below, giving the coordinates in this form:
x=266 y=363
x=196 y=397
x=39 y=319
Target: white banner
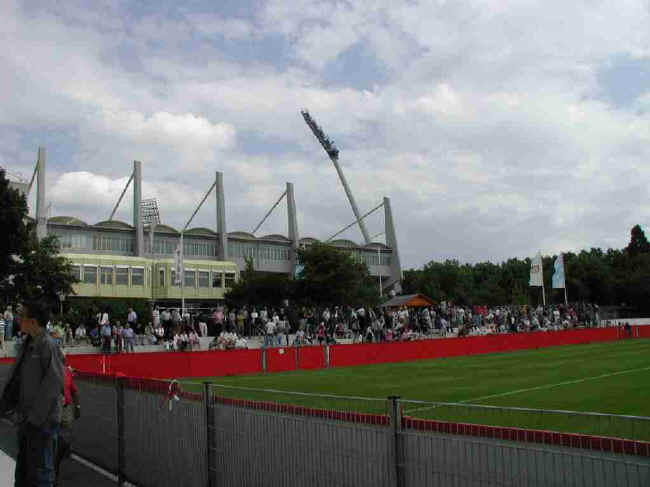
x=536 y=271
x=178 y=264
x=558 y=275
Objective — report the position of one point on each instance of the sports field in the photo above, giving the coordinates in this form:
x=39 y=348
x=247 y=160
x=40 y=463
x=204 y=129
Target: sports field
x=609 y=378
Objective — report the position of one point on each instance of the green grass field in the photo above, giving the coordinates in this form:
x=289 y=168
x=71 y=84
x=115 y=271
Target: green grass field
x=609 y=378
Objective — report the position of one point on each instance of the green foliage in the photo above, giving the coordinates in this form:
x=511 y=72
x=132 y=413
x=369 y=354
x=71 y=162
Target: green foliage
x=43 y=272
x=84 y=310
x=638 y=242
x=329 y=277
x=333 y=277
x=613 y=277
x=16 y=234
x=29 y=269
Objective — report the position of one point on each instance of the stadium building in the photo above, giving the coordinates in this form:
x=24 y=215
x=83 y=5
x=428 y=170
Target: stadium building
x=139 y=260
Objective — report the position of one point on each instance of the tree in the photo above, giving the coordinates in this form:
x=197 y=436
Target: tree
x=638 y=242
x=258 y=288
x=43 y=273
x=15 y=232
x=28 y=268
x=333 y=277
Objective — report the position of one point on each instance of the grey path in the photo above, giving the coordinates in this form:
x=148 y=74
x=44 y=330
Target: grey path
x=73 y=473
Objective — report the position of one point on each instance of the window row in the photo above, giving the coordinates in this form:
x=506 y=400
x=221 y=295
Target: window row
x=190 y=248
x=259 y=252
x=200 y=278
x=109 y=275
x=113 y=244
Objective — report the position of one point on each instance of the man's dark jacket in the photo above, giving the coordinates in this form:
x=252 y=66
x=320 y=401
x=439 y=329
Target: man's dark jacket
x=39 y=371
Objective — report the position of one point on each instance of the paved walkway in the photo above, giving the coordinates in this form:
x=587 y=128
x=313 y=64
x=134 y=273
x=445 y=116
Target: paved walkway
x=73 y=473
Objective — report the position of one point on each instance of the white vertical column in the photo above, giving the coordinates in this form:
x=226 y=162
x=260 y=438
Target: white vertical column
x=222 y=235
x=293 y=227
x=391 y=241
x=137 y=209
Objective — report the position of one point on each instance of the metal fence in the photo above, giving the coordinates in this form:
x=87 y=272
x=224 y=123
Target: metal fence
x=600 y=424
x=159 y=433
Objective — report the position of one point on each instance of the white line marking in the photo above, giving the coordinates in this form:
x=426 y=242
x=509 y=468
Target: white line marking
x=559 y=384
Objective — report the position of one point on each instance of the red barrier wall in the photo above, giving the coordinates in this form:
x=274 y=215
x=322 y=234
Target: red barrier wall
x=280 y=359
x=166 y=365
x=311 y=357
x=373 y=353
x=234 y=362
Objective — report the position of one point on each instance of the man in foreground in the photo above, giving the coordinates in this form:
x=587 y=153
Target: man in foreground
x=34 y=393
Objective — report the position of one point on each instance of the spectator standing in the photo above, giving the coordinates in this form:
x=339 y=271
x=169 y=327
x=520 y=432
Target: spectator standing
x=33 y=392
x=176 y=318
x=155 y=317
x=166 y=318
x=106 y=334
x=71 y=412
x=9 y=323
x=129 y=338
x=80 y=333
x=270 y=332
x=132 y=319
x=117 y=336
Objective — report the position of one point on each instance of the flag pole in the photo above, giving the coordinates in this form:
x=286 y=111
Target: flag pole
x=541 y=260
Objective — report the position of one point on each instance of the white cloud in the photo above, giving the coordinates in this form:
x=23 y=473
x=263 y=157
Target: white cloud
x=485 y=132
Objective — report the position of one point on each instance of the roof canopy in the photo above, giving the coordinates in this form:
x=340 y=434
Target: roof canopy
x=410 y=300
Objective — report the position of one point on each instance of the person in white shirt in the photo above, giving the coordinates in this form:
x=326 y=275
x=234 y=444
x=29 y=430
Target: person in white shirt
x=270 y=331
x=155 y=317
x=203 y=329
x=80 y=333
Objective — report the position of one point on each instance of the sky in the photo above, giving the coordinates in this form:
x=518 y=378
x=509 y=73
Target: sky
x=496 y=128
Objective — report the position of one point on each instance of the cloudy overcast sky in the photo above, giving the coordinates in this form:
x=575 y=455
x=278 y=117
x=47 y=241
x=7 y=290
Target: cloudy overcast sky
x=497 y=128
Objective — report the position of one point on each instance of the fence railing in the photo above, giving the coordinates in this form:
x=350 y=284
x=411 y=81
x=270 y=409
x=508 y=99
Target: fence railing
x=159 y=433
x=600 y=424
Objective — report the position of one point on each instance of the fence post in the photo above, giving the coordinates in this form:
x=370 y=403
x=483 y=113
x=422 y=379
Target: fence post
x=326 y=351
x=264 y=359
x=211 y=442
x=396 y=445
x=121 y=457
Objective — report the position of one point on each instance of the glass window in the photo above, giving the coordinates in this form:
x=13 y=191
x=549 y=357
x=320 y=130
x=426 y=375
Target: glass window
x=122 y=276
x=190 y=278
x=90 y=274
x=175 y=281
x=106 y=276
x=161 y=278
x=76 y=271
x=216 y=279
x=204 y=279
x=137 y=276
x=230 y=279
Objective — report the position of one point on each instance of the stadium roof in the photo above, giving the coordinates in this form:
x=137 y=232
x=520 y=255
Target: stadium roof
x=410 y=300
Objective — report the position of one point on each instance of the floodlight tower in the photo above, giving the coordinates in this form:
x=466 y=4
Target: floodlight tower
x=333 y=154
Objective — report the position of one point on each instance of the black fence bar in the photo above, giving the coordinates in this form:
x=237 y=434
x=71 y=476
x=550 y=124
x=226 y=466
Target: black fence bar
x=396 y=426
x=121 y=458
x=211 y=439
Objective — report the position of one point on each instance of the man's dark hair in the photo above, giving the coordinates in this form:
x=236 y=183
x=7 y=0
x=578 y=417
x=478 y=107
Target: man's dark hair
x=39 y=310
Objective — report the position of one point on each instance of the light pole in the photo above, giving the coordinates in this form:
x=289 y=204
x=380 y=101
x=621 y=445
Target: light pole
x=151 y=216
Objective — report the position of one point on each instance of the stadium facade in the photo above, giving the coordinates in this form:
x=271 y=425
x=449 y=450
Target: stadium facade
x=116 y=259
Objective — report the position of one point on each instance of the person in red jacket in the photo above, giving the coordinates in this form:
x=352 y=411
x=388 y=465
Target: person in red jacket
x=71 y=411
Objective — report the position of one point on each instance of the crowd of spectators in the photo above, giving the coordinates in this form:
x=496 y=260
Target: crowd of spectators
x=233 y=328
